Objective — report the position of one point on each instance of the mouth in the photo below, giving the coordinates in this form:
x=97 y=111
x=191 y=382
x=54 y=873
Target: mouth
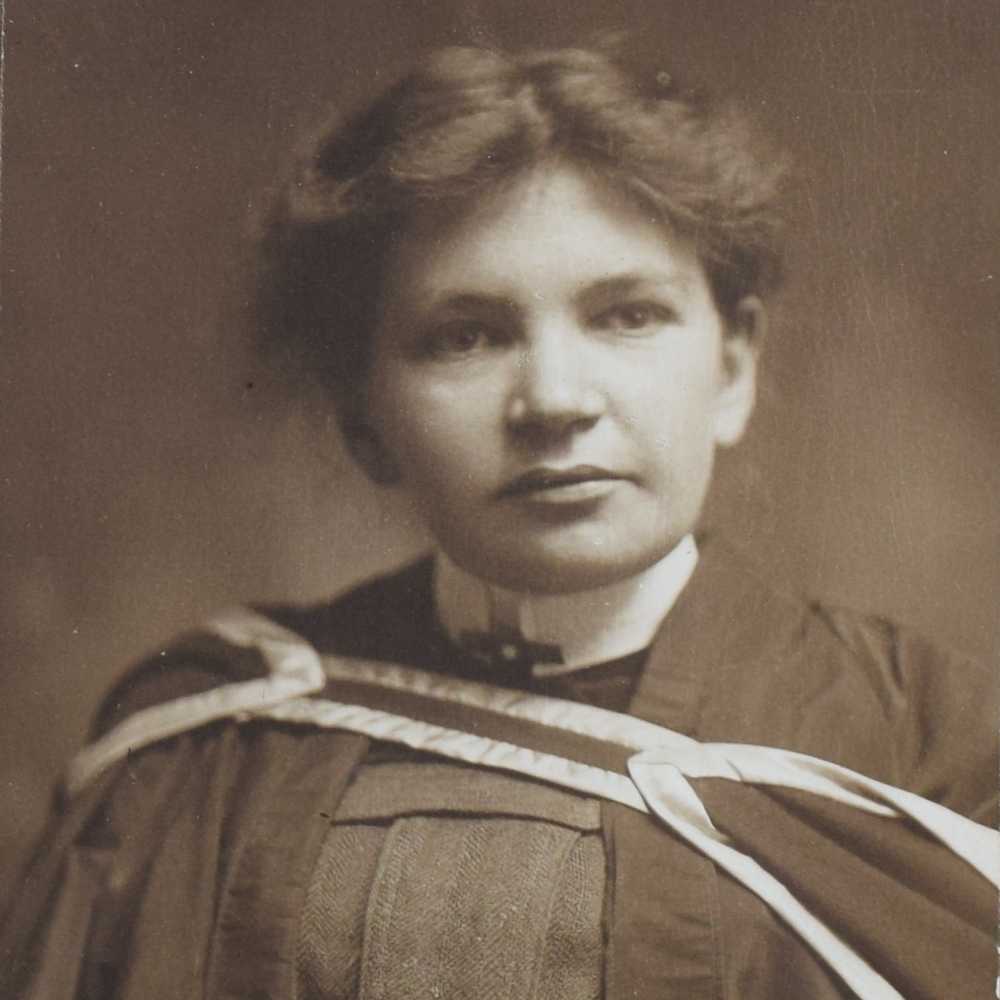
x=581 y=482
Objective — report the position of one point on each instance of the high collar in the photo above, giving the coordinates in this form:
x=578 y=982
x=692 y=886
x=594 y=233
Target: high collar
x=590 y=627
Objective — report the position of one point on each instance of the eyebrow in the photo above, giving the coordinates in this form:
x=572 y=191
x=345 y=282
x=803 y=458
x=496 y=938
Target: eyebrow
x=472 y=300
x=623 y=283
x=618 y=284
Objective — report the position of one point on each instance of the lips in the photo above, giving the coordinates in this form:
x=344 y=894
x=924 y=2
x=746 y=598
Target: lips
x=548 y=480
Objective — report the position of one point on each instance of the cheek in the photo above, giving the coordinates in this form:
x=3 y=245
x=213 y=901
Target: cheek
x=673 y=405
x=438 y=438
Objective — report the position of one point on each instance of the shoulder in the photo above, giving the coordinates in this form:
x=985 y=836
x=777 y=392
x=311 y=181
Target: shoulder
x=244 y=662
x=776 y=667
x=372 y=619
x=193 y=663
x=759 y=617
x=943 y=707
x=213 y=692
x=901 y=662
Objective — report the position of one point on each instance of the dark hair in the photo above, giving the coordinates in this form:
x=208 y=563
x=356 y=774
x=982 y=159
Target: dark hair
x=464 y=121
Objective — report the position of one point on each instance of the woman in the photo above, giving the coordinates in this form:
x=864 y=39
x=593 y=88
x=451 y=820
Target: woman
x=532 y=288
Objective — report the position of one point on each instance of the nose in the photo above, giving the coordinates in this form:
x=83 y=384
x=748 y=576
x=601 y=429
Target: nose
x=556 y=389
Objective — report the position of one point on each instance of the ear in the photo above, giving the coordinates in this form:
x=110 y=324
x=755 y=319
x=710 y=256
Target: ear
x=367 y=450
x=737 y=394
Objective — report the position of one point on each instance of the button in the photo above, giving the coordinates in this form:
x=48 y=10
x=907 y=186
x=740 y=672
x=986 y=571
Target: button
x=509 y=652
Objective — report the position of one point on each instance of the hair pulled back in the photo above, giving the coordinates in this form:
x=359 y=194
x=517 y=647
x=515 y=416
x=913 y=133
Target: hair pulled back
x=463 y=122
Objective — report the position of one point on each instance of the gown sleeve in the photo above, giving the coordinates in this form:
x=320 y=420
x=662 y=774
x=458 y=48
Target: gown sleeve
x=124 y=894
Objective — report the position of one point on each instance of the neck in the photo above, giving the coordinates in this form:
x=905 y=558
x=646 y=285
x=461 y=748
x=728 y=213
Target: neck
x=589 y=627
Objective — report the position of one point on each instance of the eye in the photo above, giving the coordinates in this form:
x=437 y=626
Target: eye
x=459 y=339
x=635 y=316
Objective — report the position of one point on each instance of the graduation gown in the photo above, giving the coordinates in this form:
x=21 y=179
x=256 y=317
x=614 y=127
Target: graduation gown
x=183 y=870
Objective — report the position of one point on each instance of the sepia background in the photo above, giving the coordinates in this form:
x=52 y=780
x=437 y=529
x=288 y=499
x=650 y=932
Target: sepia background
x=144 y=483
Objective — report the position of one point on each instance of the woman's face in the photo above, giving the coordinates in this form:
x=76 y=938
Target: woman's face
x=550 y=379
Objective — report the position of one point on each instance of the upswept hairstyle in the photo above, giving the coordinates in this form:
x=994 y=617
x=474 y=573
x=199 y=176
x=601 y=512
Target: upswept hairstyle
x=466 y=120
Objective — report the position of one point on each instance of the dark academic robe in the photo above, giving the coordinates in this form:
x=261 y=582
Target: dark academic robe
x=183 y=871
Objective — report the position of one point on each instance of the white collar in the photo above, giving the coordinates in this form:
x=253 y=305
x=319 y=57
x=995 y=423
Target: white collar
x=590 y=627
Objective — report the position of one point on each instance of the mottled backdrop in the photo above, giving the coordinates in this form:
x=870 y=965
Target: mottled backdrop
x=142 y=484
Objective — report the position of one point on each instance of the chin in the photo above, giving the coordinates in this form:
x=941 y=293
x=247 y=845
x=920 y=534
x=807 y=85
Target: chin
x=564 y=572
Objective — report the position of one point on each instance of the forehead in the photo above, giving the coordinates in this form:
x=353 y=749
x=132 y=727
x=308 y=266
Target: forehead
x=552 y=232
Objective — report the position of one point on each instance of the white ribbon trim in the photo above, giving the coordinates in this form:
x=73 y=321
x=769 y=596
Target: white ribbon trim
x=295 y=670
x=976 y=844
x=459 y=745
x=574 y=717
x=675 y=802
